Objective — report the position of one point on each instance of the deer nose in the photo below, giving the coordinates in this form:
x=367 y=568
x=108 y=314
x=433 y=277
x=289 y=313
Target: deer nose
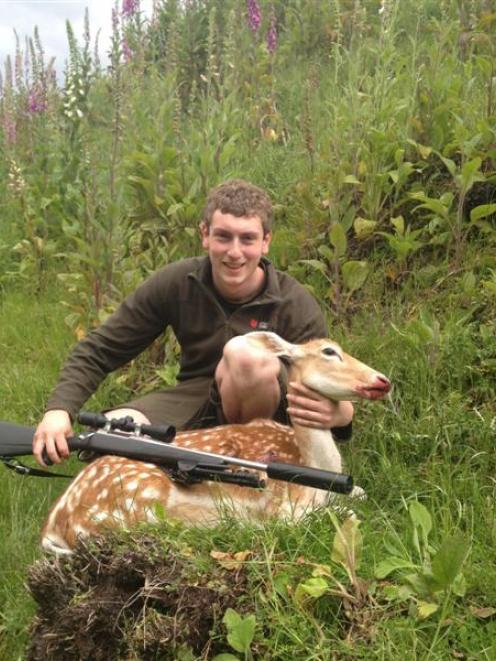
x=383 y=383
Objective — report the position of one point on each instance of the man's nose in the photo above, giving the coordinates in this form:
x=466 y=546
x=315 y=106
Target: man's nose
x=234 y=248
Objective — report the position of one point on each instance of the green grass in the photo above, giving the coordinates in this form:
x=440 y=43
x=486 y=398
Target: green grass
x=434 y=442
x=33 y=342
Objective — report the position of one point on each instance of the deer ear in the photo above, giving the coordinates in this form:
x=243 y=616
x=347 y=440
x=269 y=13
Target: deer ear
x=272 y=342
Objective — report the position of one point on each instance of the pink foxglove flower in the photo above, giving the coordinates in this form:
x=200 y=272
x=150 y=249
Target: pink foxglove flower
x=254 y=14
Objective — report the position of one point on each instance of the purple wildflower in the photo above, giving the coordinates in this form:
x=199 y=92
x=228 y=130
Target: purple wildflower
x=272 y=34
x=254 y=14
x=36 y=100
x=126 y=50
x=129 y=8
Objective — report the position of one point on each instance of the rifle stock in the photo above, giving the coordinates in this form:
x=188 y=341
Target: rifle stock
x=16 y=440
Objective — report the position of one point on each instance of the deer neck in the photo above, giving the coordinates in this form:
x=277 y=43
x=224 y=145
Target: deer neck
x=317 y=446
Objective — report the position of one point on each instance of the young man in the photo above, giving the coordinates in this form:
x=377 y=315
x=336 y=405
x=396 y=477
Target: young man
x=210 y=302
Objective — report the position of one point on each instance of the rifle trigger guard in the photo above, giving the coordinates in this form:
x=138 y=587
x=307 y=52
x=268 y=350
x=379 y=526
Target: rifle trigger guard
x=183 y=474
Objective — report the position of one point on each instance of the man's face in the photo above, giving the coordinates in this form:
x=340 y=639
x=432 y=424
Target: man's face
x=235 y=246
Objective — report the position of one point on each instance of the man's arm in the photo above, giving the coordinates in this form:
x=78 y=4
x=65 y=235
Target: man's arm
x=138 y=321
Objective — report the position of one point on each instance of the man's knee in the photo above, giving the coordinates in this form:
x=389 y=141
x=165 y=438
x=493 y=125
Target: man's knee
x=245 y=363
x=247 y=380
x=138 y=417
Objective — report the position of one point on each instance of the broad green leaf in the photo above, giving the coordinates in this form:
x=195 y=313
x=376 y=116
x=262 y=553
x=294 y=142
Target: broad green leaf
x=281 y=582
x=424 y=151
x=451 y=165
x=337 y=237
x=322 y=570
x=231 y=618
x=240 y=630
x=351 y=179
x=314 y=264
x=364 y=228
x=468 y=282
x=459 y=585
x=448 y=561
x=425 y=609
x=314 y=587
x=399 y=224
x=436 y=206
x=225 y=657
x=419 y=514
x=482 y=211
x=394 y=176
x=354 y=274
x=347 y=545
x=447 y=199
x=326 y=252
x=489 y=285
x=397 y=592
x=418 y=195
x=423 y=583
x=389 y=565
x=471 y=173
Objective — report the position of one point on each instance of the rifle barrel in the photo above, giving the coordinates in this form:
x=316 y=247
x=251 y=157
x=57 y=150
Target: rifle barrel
x=16 y=440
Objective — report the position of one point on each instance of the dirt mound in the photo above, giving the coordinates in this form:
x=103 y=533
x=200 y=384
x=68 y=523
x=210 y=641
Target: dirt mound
x=141 y=600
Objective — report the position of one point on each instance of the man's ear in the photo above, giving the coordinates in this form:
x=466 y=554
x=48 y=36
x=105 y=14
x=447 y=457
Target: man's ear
x=266 y=243
x=204 y=233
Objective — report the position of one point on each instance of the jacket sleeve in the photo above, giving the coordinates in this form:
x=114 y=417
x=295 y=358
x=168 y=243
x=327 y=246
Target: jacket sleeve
x=140 y=319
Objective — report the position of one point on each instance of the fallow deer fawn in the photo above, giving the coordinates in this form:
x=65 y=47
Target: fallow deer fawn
x=117 y=492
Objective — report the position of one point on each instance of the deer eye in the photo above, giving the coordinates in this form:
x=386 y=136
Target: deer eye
x=329 y=351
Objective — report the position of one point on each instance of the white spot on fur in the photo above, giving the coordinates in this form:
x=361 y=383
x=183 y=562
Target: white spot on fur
x=100 y=516
x=151 y=493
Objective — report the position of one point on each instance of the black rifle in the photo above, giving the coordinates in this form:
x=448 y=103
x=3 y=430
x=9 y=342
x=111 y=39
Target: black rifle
x=124 y=438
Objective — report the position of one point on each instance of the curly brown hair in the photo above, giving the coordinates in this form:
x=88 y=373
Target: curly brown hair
x=240 y=198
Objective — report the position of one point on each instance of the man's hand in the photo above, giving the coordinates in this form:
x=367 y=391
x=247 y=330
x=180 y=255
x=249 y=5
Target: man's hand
x=310 y=409
x=51 y=434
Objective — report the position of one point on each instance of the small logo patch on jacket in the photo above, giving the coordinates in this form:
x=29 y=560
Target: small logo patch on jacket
x=260 y=325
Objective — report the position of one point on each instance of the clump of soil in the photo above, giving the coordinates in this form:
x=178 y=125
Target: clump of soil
x=141 y=600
